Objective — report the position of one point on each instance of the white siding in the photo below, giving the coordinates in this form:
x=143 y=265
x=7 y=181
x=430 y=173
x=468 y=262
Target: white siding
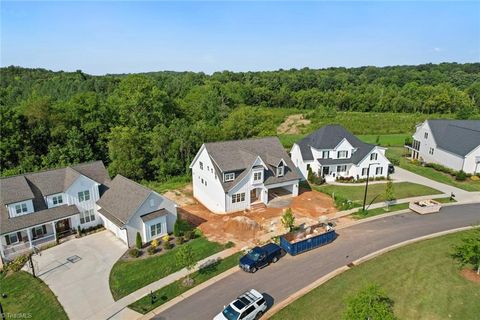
x=12 y=212
x=381 y=159
x=212 y=194
x=49 y=200
x=71 y=197
x=470 y=165
x=298 y=161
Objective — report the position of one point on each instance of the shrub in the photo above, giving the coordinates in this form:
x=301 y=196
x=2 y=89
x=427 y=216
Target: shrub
x=229 y=244
x=167 y=245
x=395 y=162
x=181 y=226
x=134 y=253
x=79 y=231
x=154 y=243
x=17 y=263
x=138 y=241
x=461 y=176
x=151 y=250
x=288 y=219
x=188 y=235
x=178 y=240
x=369 y=303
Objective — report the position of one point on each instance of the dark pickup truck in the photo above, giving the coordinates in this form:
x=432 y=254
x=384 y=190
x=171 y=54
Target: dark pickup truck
x=260 y=257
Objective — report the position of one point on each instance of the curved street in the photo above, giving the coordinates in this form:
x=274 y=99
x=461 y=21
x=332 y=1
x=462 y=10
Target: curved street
x=291 y=274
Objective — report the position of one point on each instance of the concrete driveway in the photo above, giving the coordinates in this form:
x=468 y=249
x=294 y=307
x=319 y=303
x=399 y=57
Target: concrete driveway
x=77 y=272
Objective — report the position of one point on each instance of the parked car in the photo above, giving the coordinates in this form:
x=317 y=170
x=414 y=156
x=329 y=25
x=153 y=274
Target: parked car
x=249 y=306
x=391 y=169
x=260 y=257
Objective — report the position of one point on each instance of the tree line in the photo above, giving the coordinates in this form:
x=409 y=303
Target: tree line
x=149 y=126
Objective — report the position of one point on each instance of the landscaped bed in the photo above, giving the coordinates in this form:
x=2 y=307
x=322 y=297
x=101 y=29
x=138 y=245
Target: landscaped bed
x=176 y=288
x=130 y=275
x=422 y=279
x=347 y=197
x=28 y=298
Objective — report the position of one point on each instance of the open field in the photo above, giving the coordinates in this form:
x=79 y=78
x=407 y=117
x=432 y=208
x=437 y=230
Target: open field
x=376 y=192
x=176 y=288
x=422 y=279
x=128 y=276
x=385 y=140
x=30 y=297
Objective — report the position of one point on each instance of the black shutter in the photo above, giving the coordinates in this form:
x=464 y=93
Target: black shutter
x=44 y=228
x=19 y=236
x=7 y=238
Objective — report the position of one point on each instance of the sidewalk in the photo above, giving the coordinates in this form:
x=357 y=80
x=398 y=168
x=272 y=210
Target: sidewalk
x=119 y=310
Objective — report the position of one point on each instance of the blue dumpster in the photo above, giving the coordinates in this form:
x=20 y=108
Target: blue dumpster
x=288 y=243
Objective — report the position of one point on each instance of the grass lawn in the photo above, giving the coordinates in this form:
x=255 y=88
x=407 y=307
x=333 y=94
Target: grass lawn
x=29 y=296
x=176 y=288
x=288 y=140
x=129 y=276
x=376 y=192
x=171 y=184
x=422 y=279
x=395 y=207
x=387 y=140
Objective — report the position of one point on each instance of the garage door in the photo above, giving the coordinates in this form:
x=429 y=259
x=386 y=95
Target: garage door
x=119 y=233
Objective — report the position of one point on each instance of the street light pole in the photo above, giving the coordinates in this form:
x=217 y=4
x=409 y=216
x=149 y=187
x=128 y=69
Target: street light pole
x=366 y=185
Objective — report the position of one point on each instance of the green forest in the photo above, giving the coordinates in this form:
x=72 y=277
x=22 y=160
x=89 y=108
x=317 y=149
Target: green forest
x=149 y=126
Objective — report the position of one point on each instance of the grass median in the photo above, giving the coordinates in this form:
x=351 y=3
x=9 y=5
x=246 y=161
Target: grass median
x=128 y=276
x=422 y=279
x=176 y=288
x=28 y=297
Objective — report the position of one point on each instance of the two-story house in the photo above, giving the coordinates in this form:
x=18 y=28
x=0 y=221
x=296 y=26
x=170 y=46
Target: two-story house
x=231 y=176
x=37 y=208
x=333 y=152
x=452 y=143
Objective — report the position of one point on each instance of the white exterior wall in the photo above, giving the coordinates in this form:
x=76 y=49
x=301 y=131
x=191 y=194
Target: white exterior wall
x=381 y=159
x=71 y=197
x=154 y=202
x=211 y=195
x=296 y=156
x=49 y=200
x=12 y=212
x=470 y=165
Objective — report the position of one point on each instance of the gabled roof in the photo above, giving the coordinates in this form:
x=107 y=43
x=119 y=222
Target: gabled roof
x=123 y=198
x=327 y=138
x=26 y=186
x=459 y=137
x=239 y=156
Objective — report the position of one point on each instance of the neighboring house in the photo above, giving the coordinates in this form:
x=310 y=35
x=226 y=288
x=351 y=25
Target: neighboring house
x=128 y=207
x=37 y=208
x=332 y=151
x=452 y=143
x=232 y=176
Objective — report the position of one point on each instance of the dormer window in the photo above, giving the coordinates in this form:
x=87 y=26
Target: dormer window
x=280 y=171
x=57 y=200
x=257 y=176
x=342 y=154
x=229 y=176
x=21 y=208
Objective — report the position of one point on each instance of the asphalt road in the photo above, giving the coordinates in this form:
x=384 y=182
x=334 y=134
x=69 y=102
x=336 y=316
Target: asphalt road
x=291 y=274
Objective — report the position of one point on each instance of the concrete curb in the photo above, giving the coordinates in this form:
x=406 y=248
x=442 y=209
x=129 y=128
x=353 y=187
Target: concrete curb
x=342 y=269
x=189 y=293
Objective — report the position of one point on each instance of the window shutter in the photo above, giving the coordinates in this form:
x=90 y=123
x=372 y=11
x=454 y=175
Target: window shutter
x=7 y=238
x=19 y=236
x=44 y=228
x=34 y=232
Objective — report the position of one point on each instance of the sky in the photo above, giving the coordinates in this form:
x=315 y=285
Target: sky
x=126 y=37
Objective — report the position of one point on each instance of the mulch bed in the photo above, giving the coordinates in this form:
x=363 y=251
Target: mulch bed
x=471 y=275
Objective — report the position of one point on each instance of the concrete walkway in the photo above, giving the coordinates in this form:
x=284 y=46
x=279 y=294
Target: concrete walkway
x=118 y=309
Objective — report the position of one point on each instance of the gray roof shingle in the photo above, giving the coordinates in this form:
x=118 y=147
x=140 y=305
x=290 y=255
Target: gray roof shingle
x=123 y=198
x=15 y=189
x=327 y=138
x=239 y=155
x=456 y=136
x=153 y=215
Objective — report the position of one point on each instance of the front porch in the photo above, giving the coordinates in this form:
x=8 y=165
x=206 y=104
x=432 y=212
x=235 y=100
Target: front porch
x=331 y=172
x=25 y=240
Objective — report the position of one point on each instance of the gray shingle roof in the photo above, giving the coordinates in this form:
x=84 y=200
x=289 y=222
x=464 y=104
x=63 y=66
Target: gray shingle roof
x=456 y=136
x=239 y=155
x=8 y=225
x=328 y=137
x=123 y=198
x=14 y=189
x=153 y=215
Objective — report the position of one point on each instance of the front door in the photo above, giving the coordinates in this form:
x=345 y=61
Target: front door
x=63 y=225
x=325 y=171
x=253 y=195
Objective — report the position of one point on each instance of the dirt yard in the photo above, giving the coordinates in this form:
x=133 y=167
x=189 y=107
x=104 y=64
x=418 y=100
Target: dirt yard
x=182 y=197
x=260 y=224
x=293 y=124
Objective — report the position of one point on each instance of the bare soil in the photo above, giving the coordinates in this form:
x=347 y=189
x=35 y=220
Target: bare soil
x=471 y=275
x=293 y=124
x=182 y=197
x=260 y=224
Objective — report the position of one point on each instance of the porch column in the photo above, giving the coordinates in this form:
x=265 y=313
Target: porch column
x=29 y=235
x=54 y=230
